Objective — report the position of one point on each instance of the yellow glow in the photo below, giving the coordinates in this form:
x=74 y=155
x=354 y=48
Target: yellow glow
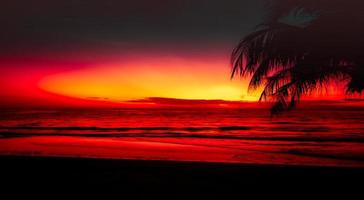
x=166 y=77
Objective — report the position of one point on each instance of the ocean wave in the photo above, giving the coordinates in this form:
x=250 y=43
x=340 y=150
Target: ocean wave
x=329 y=155
x=176 y=134
x=91 y=128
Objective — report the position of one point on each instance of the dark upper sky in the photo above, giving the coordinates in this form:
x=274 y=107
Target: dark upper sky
x=44 y=38
x=78 y=23
x=164 y=41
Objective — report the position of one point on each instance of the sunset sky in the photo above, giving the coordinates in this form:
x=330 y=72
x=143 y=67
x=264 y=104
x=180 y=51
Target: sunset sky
x=71 y=51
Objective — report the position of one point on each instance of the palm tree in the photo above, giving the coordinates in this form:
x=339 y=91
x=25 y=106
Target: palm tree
x=302 y=46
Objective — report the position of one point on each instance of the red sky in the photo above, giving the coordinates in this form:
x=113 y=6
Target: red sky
x=118 y=75
x=88 y=53
x=93 y=77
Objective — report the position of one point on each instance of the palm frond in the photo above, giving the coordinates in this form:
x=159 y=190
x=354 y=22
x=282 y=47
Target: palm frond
x=290 y=61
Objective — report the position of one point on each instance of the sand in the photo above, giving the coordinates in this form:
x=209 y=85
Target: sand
x=142 y=178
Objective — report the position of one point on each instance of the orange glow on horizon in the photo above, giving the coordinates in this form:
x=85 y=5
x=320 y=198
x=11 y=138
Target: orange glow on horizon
x=116 y=81
x=138 y=79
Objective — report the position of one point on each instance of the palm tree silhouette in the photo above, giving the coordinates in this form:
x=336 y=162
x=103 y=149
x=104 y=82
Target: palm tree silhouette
x=301 y=46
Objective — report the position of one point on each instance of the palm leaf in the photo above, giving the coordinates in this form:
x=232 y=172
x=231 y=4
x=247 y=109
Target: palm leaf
x=290 y=61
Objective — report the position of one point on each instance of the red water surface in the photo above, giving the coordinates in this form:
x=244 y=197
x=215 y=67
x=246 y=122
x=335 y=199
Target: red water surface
x=325 y=135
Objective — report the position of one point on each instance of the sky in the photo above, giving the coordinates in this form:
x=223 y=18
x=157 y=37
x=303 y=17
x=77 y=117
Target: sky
x=79 y=52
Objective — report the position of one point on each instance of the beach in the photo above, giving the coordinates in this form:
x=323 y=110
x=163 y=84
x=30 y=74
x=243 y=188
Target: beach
x=176 y=180
x=180 y=151
x=192 y=99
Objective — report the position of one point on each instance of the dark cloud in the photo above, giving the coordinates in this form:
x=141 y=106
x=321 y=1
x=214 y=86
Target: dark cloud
x=59 y=23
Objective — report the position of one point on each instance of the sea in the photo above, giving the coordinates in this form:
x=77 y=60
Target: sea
x=311 y=135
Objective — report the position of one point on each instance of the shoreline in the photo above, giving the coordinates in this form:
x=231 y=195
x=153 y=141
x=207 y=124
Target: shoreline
x=188 y=149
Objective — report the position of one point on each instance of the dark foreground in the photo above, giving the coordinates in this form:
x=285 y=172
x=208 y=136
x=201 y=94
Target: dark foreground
x=34 y=175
